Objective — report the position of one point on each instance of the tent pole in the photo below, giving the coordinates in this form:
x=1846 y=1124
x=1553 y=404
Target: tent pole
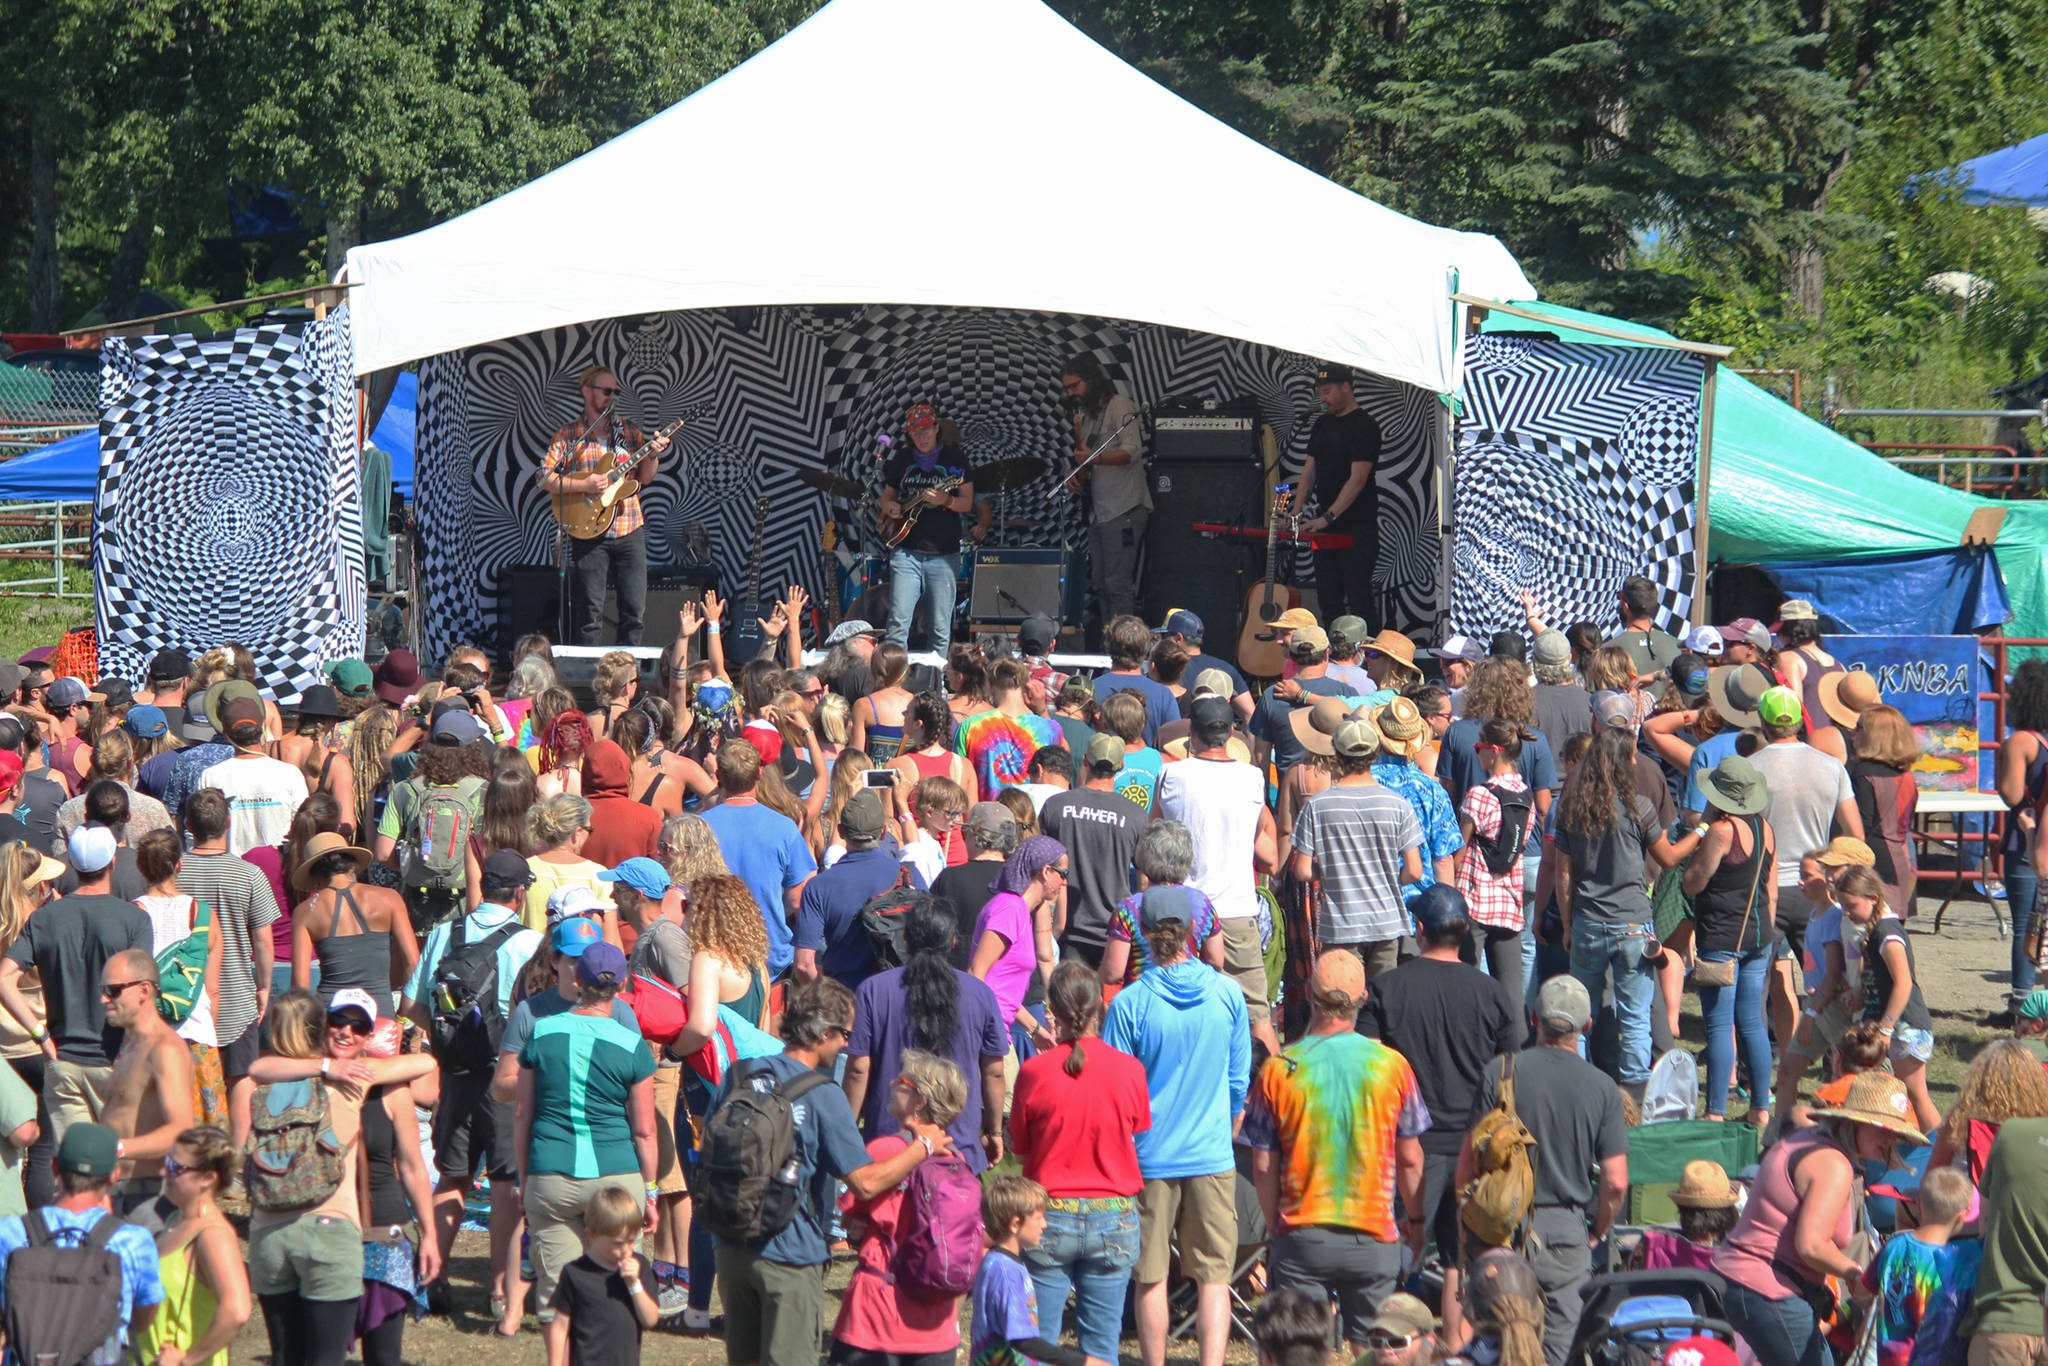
x=1446 y=516
x=1700 y=486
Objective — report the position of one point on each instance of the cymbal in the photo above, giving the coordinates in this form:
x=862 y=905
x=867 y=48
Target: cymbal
x=1006 y=476
x=838 y=486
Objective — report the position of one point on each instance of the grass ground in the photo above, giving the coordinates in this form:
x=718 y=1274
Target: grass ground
x=1962 y=973
x=29 y=619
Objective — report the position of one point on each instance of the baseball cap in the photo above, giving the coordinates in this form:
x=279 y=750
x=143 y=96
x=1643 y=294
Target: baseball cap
x=350 y=677
x=601 y=965
x=353 y=998
x=235 y=711
x=1846 y=851
x=1795 y=609
x=1356 y=738
x=1293 y=619
x=507 y=868
x=1706 y=640
x=1438 y=906
x=1347 y=632
x=1338 y=978
x=986 y=817
x=1036 y=634
x=1689 y=674
x=1210 y=719
x=10 y=771
x=573 y=900
x=1168 y=903
x=1460 y=647
x=457 y=728
x=1562 y=1001
x=1307 y=641
x=1747 y=630
x=1612 y=708
x=847 y=630
x=88 y=1150
x=642 y=874
x=170 y=665
x=1105 y=751
x=91 y=848
x=766 y=740
x=2034 y=1006
x=11 y=676
x=863 y=818
x=69 y=692
x=1329 y=372
x=1403 y=1316
x=1180 y=622
x=574 y=936
x=115 y=692
x=1779 y=706
x=1701 y=1350
x=198 y=727
x=1552 y=649
x=145 y=722
x=1508 y=645
x=1215 y=683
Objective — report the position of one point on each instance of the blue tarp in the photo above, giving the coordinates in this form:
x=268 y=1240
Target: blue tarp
x=2010 y=175
x=69 y=469
x=1918 y=593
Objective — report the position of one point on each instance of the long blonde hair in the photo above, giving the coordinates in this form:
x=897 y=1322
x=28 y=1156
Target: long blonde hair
x=2004 y=1082
x=846 y=771
x=295 y=1021
x=18 y=864
x=375 y=728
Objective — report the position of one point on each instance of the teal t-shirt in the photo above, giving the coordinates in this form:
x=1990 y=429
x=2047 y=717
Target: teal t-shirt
x=583 y=1067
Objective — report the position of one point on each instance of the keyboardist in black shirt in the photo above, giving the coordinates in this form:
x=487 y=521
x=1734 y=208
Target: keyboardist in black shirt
x=1343 y=448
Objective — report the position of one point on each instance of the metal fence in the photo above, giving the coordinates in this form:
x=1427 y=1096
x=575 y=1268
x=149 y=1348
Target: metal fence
x=42 y=546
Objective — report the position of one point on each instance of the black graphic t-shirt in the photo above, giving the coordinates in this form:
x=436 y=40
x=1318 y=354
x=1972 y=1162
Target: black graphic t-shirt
x=938 y=530
x=1335 y=444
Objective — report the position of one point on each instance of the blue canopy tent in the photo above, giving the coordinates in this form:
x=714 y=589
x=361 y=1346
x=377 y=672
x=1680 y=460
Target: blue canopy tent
x=69 y=470
x=2011 y=175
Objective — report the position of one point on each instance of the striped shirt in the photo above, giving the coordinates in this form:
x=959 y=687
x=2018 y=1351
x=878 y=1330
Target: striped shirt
x=1355 y=835
x=243 y=907
x=584 y=1067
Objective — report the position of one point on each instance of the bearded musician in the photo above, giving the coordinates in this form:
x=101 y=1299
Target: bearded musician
x=576 y=464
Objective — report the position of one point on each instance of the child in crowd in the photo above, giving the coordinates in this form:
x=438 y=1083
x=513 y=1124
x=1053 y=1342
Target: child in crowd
x=1005 y=1325
x=1494 y=900
x=1924 y=1277
x=1891 y=996
x=1123 y=715
x=937 y=804
x=601 y=1306
x=1833 y=971
x=1706 y=1211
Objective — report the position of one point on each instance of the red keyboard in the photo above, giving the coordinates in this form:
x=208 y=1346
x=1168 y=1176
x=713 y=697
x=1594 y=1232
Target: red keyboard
x=1322 y=540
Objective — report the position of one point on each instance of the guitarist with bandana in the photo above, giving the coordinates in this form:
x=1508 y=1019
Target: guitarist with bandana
x=575 y=465
x=929 y=483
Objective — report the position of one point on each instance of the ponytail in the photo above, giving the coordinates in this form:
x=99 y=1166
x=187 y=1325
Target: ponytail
x=930 y=989
x=1074 y=998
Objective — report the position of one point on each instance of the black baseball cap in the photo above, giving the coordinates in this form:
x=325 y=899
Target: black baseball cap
x=1509 y=645
x=170 y=665
x=1329 y=372
x=1036 y=634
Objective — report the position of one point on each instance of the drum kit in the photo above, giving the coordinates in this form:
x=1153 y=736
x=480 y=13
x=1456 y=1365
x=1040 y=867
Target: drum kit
x=863 y=574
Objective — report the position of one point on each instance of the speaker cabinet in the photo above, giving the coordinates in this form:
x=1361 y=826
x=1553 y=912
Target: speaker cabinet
x=528 y=601
x=1012 y=584
x=1203 y=574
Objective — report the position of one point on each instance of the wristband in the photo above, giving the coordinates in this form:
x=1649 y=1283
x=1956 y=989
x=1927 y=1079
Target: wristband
x=653 y=1189
x=712 y=628
x=39 y=1033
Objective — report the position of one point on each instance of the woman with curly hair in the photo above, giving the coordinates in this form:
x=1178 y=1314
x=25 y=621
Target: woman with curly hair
x=689 y=850
x=2005 y=1081
x=562 y=747
x=2022 y=770
x=1607 y=835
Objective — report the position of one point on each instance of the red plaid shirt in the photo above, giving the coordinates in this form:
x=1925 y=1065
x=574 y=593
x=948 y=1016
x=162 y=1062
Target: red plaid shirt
x=567 y=455
x=1491 y=900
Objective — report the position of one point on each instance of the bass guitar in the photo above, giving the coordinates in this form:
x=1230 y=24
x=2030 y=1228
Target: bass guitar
x=1257 y=651
x=588 y=515
x=896 y=530
x=746 y=639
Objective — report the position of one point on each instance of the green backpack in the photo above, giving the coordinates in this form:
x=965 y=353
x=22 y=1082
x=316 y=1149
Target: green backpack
x=181 y=970
x=294 y=1158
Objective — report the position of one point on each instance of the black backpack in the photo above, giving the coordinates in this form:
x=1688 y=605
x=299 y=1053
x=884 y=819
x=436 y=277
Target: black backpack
x=63 y=1299
x=467 y=1019
x=1504 y=850
x=746 y=1186
x=886 y=919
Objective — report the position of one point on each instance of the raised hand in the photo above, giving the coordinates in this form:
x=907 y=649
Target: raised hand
x=797 y=600
x=714 y=607
x=689 y=619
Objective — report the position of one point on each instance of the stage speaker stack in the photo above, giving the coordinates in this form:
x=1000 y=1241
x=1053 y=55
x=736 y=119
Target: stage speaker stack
x=1206 y=467
x=528 y=602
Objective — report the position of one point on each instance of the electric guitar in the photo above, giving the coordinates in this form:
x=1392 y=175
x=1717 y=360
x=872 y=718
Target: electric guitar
x=1257 y=652
x=746 y=639
x=588 y=515
x=896 y=530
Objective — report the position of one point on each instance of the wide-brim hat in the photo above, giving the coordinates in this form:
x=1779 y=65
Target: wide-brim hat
x=1735 y=786
x=1316 y=726
x=1402 y=729
x=1703 y=1185
x=1878 y=1099
x=1846 y=696
x=319 y=847
x=397 y=677
x=1394 y=645
x=1735 y=689
x=220 y=694
x=320 y=703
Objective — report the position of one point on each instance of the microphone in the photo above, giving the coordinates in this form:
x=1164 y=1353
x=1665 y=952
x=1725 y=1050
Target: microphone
x=882 y=444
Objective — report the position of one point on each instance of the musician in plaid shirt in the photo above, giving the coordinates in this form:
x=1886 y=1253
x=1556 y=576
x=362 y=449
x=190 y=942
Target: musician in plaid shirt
x=576 y=463
x=1494 y=901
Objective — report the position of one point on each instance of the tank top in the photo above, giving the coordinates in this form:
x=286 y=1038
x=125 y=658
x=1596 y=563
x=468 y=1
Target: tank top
x=941 y=766
x=1766 y=1232
x=883 y=742
x=388 y=1204
x=647 y=797
x=1718 y=909
x=187 y=1309
x=2036 y=789
x=359 y=959
x=749 y=1006
x=1816 y=717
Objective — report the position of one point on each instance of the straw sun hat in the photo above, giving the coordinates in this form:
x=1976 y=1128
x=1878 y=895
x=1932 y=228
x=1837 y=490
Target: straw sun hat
x=1878 y=1099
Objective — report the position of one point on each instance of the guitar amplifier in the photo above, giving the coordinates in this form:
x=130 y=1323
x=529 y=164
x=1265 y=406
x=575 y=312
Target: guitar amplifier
x=1206 y=431
x=1012 y=584
x=528 y=603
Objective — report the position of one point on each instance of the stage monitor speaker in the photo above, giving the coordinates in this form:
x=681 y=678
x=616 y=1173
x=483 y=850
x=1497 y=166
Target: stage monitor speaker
x=1204 y=575
x=1010 y=585
x=528 y=602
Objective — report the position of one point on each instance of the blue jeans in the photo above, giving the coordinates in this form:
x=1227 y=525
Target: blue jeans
x=1779 y=1332
x=1089 y=1248
x=1602 y=946
x=2022 y=894
x=1736 y=1015
x=914 y=574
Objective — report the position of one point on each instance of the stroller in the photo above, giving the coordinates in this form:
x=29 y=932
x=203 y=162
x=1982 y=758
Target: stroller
x=1630 y=1317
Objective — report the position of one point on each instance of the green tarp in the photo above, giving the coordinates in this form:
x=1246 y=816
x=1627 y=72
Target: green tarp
x=1783 y=487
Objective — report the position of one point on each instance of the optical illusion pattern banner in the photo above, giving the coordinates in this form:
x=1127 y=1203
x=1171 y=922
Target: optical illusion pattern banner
x=230 y=505
x=811 y=388
x=1577 y=467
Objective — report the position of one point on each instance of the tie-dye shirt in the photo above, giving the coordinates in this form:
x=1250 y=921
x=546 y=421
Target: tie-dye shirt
x=1922 y=1292
x=1000 y=747
x=1331 y=1106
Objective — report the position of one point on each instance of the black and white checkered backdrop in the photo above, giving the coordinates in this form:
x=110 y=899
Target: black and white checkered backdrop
x=796 y=388
x=230 y=505
x=1576 y=467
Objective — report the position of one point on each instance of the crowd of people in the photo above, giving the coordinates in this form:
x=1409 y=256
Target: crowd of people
x=1033 y=995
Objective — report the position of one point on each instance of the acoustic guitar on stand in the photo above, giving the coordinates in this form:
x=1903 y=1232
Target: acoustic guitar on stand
x=1258 y=652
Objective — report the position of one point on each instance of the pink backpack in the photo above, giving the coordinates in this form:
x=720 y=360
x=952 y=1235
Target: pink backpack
x=939 y=1237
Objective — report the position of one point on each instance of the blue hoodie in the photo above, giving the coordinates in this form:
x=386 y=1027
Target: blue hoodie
x=1178 y=1021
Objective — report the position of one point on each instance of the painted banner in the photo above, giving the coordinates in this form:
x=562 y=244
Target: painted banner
x=1934 y=682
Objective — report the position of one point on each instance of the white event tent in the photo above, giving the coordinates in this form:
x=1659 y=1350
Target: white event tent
x=967 y=153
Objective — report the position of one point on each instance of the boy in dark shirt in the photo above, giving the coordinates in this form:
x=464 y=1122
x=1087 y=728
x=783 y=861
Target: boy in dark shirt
x=1005 y=1328
x=601 y=1307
